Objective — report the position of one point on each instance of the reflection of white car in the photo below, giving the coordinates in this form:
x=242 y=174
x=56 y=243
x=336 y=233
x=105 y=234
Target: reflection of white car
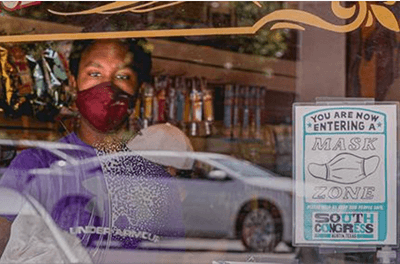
x=221 y=196
x=226 y=197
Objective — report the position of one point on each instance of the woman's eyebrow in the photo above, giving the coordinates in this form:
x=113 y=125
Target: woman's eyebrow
x=93 y=64
x=124 y=66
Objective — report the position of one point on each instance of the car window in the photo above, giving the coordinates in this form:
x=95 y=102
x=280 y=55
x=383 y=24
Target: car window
x=199 y=171
x=244 y=168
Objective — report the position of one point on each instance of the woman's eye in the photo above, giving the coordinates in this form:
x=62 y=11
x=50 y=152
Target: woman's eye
x=94 y=74
x=122 y=77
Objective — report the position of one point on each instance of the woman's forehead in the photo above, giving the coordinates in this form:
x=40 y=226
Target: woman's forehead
x=112 y=49
x=106 y=47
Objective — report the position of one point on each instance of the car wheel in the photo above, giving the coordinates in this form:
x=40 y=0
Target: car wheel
x=260 y=227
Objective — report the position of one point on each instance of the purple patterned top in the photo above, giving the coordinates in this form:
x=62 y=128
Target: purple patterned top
x=120 y=200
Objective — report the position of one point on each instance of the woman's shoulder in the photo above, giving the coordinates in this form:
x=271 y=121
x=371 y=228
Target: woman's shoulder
x=43 y=154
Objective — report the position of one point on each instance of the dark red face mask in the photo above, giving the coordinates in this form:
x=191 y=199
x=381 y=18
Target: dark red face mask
x=104 y=106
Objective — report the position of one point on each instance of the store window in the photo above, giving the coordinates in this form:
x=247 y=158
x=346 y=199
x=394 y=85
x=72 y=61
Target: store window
x=180 y=132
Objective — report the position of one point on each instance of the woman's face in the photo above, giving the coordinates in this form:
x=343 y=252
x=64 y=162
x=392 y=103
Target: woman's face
x=107 y=61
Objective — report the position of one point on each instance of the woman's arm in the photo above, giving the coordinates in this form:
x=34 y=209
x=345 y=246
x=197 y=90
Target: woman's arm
x=5 y=229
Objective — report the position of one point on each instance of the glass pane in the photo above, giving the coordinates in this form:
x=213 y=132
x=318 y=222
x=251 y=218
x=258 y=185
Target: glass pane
x=86 y=88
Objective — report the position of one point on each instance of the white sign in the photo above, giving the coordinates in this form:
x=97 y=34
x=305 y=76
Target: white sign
x=345 y=172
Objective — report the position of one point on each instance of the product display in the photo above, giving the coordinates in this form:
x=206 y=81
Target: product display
x=259 y=97
x=180 y=100
x=34 y=81
x=6 y=70
x=38 y=77
x=184 y=102
x=161 y=99
x=228 y=104
x=208 y=106
x=246 y=110
x=236 y=109
x=19 y=60
x=8 y=99
x=171 y=100
x=242 y=111
x=148 y=104
x=56 y=75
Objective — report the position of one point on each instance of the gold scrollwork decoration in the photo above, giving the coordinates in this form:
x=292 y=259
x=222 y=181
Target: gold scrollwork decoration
x=284 y=18
x=115 y=8
x=130 y=6
x=366 y=13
